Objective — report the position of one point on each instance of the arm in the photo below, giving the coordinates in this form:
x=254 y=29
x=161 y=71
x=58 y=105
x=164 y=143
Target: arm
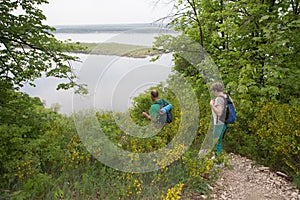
x=165 y=109
x=146 y=115
x=218 y=109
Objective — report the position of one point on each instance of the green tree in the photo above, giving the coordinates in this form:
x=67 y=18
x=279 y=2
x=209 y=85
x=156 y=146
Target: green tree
x=255 y=46
x=28 y=48
x=32 y=138
x=253 y=43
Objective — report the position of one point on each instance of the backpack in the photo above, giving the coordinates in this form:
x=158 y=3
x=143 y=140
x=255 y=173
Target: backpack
x=166 y=117
x=229 y=112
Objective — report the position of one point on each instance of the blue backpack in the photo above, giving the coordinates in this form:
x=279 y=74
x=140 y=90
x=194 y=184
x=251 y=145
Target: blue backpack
x=166 y=117
x=229 y=112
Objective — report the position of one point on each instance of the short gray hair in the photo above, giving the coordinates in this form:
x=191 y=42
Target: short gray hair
x=217 y=86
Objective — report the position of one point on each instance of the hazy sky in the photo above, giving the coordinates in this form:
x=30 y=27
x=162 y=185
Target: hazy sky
x=62 y=12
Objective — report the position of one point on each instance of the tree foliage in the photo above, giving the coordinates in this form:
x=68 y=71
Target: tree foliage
x=25 y=126
x=255 y=46
x=28 y=48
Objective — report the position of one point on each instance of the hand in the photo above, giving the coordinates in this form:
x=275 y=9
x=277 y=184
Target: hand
x=144 y=114
x=162 y=111
x=212 y=102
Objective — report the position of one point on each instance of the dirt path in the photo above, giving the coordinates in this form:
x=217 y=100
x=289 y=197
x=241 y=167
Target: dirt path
x=246 y=181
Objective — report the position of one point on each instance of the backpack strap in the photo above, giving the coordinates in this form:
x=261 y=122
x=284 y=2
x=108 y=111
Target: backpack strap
x=162 y=104
x=225 y=109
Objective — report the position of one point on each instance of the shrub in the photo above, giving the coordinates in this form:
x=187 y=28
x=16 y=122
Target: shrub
x=278 y=136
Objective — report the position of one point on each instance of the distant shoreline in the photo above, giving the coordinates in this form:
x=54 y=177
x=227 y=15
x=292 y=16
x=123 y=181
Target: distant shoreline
x=111 y=28
x=117 y=49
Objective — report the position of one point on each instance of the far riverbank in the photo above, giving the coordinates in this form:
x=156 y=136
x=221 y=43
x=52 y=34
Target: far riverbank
x=117 y=49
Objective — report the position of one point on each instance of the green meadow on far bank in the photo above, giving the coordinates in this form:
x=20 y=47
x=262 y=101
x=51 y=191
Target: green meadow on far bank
x=117 y=49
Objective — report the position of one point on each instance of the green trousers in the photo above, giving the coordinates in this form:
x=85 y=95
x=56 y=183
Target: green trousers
x=219 y=131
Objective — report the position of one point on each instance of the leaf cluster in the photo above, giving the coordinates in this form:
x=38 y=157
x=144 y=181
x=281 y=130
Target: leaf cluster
x=28 y=49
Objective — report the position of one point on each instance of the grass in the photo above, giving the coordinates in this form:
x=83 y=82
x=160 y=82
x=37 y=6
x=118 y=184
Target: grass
x=117 y=49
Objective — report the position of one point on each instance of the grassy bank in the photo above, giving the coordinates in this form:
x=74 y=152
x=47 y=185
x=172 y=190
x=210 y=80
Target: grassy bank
x=117 y=49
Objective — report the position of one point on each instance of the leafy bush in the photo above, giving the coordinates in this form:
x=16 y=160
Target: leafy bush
x=271 y=138
x=278 y=137
x=33 y=141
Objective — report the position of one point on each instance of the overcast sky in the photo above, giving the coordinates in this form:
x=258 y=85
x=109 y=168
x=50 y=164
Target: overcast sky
x=64 y=12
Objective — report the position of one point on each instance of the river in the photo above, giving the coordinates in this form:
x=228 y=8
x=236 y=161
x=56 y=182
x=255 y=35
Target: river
x=112 y=81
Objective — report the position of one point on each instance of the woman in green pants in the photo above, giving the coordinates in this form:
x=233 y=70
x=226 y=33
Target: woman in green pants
x=217 y=106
